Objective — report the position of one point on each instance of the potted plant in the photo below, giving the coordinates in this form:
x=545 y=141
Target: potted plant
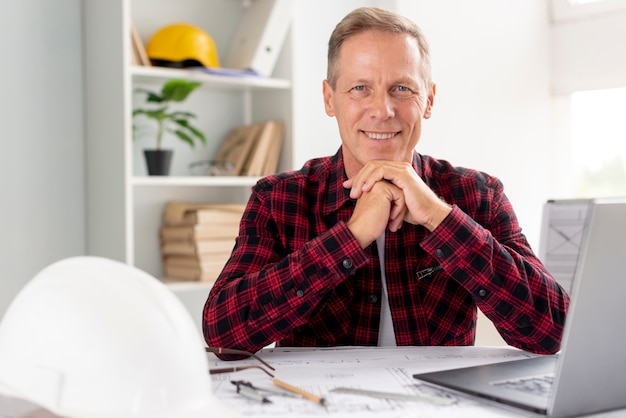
x=173 y=121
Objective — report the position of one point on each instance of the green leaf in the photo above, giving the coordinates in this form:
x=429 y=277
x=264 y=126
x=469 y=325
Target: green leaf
x=150 y=96
x=182 y=135
x=178 y=89
x=155 y=98
x=195 y=131
x=158 y=114
x=179 y=114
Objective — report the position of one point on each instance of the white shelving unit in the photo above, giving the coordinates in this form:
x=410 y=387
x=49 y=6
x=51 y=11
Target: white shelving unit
x=124 y=204
x=209 y=181
x=209 y=80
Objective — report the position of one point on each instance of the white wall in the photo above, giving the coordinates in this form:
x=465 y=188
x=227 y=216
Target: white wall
x=589 y=53
x=42 y=211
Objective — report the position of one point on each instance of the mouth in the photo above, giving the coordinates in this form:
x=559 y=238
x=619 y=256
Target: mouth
x=380 y=135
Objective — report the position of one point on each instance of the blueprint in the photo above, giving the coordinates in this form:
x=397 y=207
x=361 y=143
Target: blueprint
x=327 y=372
x=562 y=229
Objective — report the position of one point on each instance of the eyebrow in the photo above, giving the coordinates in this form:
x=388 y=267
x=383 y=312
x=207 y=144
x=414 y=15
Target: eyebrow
x=403 y=81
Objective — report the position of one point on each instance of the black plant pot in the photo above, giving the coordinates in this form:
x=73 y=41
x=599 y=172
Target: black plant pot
x=158 y=161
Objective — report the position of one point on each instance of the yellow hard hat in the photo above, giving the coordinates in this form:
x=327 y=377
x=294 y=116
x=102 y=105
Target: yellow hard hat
x=181 y=44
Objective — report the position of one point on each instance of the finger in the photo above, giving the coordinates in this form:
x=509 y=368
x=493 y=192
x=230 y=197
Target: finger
x=357 y=191
x=395 y=224
x=357 y=185
x=396 y=218
x=397 y=211
x=365 y=179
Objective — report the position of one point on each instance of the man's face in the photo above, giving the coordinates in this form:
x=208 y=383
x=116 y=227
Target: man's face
x=380 y=98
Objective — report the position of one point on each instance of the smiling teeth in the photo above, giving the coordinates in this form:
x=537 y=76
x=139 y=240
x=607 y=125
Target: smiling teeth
x=374 y=135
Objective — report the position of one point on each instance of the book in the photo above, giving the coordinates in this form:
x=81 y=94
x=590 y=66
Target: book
x=139 y=55
x=184 y=274
x=198 y=239
x=212 y=246
x=266 y=148
x=201 y=267
x=211 y=216
x=178 y=213
x=258 y=154
x=273 y=154
x=236 y=147
x=202 y=262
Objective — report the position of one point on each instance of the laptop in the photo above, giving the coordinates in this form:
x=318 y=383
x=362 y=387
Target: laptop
x=588 y=375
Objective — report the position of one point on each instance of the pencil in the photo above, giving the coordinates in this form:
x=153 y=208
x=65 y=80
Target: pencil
x=301 y=392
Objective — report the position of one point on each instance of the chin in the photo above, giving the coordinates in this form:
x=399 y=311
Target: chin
x=387 y=156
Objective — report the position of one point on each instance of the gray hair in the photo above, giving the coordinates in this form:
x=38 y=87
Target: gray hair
x=373 y=18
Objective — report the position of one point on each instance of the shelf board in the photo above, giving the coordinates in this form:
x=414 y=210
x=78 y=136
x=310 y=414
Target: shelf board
x=225 y=181
x=209 y=80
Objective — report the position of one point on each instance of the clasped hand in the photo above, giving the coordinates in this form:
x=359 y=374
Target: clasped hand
x=388 y=194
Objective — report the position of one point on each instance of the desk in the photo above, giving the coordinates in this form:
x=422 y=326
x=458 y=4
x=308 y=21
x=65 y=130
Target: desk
x=319 y=370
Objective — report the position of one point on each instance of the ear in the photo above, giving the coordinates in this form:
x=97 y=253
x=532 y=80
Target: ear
x=328 y=93
x=430 y=101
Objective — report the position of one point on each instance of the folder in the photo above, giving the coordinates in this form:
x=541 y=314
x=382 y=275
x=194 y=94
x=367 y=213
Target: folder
x=260 y=36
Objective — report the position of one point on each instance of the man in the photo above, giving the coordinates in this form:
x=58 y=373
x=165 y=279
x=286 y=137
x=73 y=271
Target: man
x=379 y=245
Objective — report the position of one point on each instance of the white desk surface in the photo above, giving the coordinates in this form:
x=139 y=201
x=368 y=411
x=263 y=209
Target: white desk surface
x=319 y=370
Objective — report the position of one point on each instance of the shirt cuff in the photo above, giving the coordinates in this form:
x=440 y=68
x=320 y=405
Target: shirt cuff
x=455 y=239
x=340 y=252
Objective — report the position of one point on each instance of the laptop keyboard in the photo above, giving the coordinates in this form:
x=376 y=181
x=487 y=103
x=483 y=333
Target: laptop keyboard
x=537 y=385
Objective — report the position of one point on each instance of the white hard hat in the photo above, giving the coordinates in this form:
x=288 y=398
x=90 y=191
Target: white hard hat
x=91 y=337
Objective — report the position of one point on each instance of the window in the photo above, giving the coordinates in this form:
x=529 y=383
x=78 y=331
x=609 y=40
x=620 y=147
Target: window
x=598 y=142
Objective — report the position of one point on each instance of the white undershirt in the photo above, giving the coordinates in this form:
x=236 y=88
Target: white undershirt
x=386 y=336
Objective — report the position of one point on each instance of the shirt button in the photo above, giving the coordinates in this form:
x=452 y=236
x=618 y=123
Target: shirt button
x=300 y=293
x=482 y=293
x=373 y=298
x=439 y=253
x=346 y=263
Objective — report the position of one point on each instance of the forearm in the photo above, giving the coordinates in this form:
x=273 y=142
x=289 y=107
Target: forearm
x=507 y=282
x=262 y=296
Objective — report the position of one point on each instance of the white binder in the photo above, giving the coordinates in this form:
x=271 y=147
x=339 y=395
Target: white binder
x=260 y=35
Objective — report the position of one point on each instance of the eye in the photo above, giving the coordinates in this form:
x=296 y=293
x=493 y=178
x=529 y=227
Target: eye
x=402 y=91
x=359 y=92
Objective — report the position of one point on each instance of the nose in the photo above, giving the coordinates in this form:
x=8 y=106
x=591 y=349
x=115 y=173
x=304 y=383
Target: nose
x=381 y=106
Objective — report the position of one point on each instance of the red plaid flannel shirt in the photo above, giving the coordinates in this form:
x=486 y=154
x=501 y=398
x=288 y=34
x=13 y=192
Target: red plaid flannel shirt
x=298 y=277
